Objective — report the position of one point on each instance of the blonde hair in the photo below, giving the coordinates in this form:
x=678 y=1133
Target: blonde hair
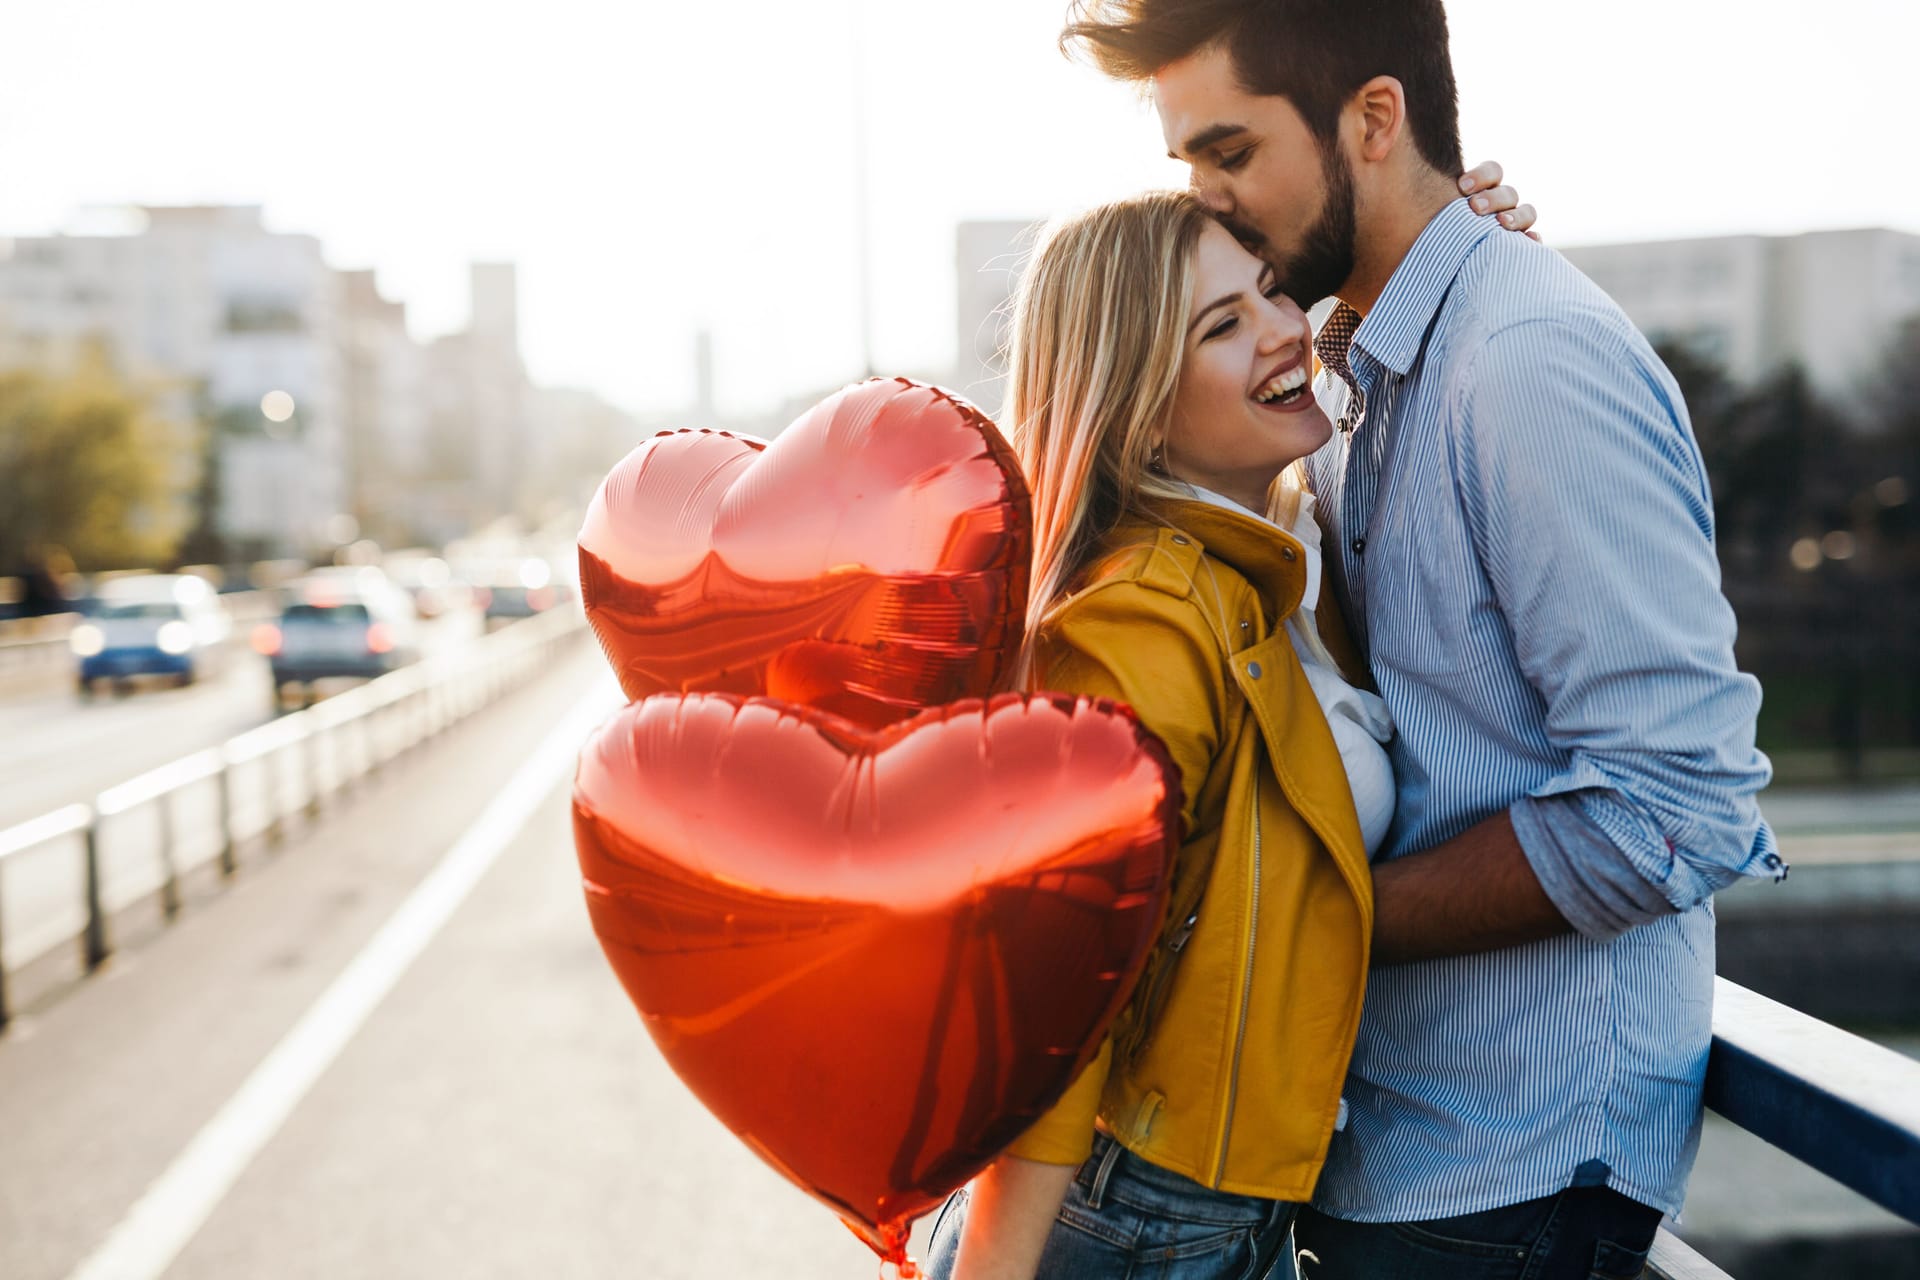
x=1098 y=342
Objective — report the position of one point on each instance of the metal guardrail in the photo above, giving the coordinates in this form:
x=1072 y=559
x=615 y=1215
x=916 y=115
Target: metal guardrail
x=32 y=642
x=1836 y=1102
x=264 y=777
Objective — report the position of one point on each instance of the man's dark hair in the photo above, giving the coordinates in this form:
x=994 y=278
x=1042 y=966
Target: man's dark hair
x=1314 y=53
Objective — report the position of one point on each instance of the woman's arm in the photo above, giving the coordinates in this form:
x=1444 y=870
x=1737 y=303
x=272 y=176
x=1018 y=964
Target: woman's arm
x=1010 y=1211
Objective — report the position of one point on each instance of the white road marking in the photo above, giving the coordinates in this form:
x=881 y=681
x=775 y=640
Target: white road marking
x=166 y=1218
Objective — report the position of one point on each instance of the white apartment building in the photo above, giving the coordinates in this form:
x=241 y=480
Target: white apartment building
x=388 y=422
x=213 y=311
x=477 y=401
x=209 y=305
x=1830 y=300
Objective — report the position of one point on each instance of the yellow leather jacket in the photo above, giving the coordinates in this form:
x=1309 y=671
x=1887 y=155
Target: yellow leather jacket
x=1228 y=1062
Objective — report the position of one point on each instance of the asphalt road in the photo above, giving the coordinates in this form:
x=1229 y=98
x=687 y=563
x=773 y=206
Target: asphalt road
x=498 y=1111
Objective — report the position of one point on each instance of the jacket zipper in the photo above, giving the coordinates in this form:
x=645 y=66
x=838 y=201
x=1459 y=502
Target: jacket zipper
x=1246 y=992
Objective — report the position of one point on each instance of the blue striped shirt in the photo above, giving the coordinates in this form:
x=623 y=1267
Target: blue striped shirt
x=1522 y=536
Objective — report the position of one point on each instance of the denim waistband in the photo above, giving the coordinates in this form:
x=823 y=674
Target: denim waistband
x=1112 y=1171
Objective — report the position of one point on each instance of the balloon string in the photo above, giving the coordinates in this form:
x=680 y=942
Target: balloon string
x=894 y=1262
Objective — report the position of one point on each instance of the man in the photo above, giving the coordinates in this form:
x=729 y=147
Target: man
x=1521 y=535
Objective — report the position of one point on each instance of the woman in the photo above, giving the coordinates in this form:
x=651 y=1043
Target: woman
x=1159 y=396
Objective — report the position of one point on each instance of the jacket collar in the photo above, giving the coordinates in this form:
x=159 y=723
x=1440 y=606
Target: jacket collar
x=1397 y=325
x=1259 y=551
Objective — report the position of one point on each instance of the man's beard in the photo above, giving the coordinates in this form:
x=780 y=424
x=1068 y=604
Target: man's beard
x=1324 y=260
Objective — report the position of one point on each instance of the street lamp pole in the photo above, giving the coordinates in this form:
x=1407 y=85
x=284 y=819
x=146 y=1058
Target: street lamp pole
x=862 y=213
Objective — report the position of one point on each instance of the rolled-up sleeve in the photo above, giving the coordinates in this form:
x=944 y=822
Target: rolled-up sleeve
x=1589 y=507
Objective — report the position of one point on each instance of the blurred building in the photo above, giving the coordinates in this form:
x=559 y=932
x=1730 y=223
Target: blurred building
x=988 y=258
x=581 y=437
x=1830 y=300
x=209 y=305
x=480 y=437
x=320 y=402
x=388 y=423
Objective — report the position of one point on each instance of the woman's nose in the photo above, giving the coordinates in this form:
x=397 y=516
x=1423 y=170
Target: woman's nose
x=1285 y=326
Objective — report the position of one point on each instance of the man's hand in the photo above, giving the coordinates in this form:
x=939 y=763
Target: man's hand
x=1484 y=183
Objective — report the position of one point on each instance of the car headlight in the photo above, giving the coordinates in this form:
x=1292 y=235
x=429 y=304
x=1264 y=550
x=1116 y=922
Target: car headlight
x=175 y=638
x=87 y=640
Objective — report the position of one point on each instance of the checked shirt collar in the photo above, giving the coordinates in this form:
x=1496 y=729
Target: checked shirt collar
x=1394 y=331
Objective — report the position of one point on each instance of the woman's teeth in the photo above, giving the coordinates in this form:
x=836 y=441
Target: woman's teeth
x=1283 y=386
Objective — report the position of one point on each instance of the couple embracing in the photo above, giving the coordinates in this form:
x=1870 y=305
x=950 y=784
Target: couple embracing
x=1436 y=639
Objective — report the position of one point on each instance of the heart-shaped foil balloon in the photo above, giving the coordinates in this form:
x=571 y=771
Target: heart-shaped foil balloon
x=876 y=956
x=871 y=560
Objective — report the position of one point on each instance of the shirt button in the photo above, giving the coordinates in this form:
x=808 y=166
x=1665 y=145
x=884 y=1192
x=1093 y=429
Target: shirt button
x=1253 y=669
x=1286 y=553
x=1359 y=546
x=1179 y=540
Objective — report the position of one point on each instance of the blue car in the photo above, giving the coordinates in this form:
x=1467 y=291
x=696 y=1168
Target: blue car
x=172 y=626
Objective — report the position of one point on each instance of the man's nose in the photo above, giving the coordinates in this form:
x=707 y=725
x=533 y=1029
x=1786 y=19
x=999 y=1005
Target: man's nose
x=1211 y=194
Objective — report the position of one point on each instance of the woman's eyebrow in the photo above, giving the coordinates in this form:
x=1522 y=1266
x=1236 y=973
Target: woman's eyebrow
x=1213 y=306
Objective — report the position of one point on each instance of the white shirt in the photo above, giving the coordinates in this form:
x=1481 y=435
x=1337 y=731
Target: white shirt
x=1359 y=720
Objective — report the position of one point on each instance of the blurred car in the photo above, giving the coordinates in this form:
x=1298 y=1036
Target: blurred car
x=519 y=589
x=430 y=582
x=347 y=623
x=171 y=625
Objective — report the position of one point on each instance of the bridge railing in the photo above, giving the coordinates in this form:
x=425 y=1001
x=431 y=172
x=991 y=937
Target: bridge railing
x=137 y=839
x=1836 y=1102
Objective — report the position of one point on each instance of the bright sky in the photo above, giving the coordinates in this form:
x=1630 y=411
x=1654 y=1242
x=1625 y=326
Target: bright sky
x=658 y=168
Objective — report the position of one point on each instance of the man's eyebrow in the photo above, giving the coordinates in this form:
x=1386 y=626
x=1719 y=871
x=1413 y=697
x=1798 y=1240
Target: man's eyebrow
x=1209 y=136
x=1211 y=307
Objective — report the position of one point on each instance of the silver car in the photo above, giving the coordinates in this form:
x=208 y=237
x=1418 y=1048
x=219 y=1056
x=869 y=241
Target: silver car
x=338 y=625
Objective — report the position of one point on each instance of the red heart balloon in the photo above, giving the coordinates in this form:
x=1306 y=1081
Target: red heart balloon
x=876 y=956
x=871 y=560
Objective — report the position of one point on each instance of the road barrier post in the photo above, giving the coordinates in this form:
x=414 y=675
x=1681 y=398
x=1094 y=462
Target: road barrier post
x=95 y=946
x=223 y=790
x=169 y=865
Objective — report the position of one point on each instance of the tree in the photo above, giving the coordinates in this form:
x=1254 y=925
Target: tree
x=87 y=467
x=1893 y=400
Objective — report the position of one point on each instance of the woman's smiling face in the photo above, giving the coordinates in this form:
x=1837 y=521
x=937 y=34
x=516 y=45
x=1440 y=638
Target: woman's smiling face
x=1244 y=408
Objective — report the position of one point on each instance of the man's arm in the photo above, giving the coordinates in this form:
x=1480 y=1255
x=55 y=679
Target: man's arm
x=1591 y=517
x=1476 y=892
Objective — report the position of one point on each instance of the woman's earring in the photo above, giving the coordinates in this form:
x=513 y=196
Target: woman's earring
x=1155 y=463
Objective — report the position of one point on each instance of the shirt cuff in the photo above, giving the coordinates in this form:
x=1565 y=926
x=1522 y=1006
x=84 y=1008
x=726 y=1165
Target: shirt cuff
x=1593 y=882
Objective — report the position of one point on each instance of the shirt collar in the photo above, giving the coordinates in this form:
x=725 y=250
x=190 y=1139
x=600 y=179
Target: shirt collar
x=1397 y=325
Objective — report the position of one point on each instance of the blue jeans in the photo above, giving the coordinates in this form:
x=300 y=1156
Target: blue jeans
x=1126 y=1219
x=1583 y=1233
